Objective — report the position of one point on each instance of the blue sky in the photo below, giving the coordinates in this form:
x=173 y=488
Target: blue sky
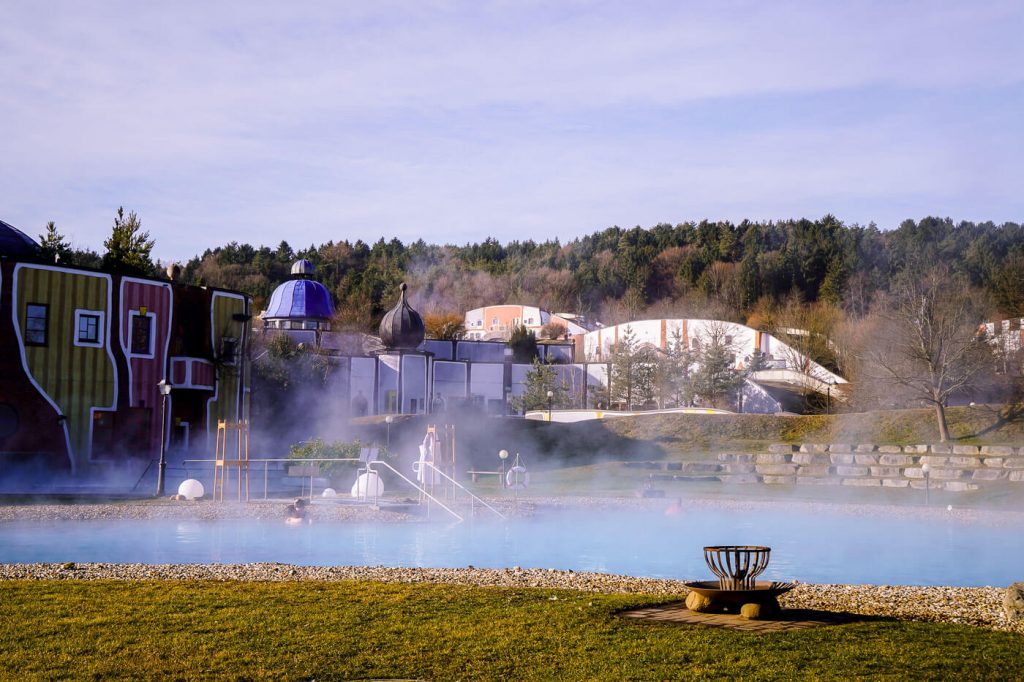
x=453 y=122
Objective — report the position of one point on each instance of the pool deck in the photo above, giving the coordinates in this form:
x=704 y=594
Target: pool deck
x=789 y=619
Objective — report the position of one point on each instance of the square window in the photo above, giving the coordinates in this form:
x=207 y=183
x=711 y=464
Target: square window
x=227 y=350
x=142 y=335
x=36 y=323
x=89 y=328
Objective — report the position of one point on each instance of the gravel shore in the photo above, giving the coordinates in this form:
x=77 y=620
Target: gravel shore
x=980 y=606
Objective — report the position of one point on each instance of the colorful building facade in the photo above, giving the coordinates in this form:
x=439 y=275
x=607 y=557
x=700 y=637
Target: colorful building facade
x=82 y=352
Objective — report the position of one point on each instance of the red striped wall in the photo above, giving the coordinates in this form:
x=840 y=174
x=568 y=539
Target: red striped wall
x=202 y=374
x=145 y=372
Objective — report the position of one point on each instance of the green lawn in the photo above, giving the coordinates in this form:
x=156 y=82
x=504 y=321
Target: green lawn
x=612 y=479
x=348 y=630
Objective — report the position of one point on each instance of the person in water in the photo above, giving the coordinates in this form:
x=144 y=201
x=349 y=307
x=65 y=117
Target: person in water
x=297 y=513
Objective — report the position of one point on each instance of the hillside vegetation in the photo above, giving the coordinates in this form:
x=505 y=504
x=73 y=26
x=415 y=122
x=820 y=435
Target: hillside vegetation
x=732 y=271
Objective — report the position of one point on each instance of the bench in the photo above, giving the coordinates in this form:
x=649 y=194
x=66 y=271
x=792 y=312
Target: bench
x=473 y=474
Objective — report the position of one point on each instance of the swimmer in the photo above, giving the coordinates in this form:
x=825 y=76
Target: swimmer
x=676 y=508
x=297 y=512
x=293 y=515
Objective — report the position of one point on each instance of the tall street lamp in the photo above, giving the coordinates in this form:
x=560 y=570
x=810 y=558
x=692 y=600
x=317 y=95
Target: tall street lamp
x=828 y=397
x=388 y=419
x=165 y=390
x=551 y=396
x=503 y=454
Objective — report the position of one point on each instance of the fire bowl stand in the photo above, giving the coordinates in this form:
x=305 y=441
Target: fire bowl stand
x=737 y=590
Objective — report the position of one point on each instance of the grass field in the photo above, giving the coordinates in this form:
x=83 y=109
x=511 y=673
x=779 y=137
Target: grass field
x=348 y=630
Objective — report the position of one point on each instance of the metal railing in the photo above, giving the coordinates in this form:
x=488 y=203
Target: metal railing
x=463 y=488
x=266 y=467
x=370 y=467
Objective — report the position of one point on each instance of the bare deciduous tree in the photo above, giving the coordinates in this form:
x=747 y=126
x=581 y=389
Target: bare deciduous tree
x=928 y=344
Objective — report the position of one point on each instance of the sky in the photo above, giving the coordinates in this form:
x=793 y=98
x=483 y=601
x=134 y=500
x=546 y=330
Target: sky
x=456 y=121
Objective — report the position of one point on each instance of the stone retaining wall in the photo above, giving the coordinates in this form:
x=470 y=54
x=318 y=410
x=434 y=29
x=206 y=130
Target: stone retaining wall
x=951 y=467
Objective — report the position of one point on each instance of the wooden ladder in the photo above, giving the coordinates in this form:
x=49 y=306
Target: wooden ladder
x=226 y=460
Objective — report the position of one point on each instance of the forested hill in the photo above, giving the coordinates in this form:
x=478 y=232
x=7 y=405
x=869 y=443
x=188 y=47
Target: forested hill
x=721 y=269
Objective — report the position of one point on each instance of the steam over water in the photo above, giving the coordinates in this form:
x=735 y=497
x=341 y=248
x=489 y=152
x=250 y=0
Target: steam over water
x=822 y=546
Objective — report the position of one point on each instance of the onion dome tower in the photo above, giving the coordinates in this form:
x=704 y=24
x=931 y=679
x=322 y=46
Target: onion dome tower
x=402 y=327
x=300 y=303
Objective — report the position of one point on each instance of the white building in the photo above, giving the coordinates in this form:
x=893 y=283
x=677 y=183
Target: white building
x=787 y=371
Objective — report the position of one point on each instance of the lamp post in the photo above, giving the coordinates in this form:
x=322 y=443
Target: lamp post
x=503 y=454
x=551 y=396
x=165 y=390
x=925 y=469
x=387 y=420
x=828 y=398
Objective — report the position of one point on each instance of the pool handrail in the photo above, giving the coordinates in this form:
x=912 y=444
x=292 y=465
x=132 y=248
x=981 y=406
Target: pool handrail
x=370 y=467
x=463 y=488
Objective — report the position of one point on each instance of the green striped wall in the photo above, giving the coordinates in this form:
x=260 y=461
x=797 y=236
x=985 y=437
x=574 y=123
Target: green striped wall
x=77 y=379
x=225 y=404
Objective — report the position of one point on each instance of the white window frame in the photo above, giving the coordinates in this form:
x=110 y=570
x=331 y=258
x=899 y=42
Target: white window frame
x=152 y=334
x=46 y=324
x=100 y=328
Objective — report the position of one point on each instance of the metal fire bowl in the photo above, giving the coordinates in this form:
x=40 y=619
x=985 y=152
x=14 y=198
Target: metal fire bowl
x=763 y=589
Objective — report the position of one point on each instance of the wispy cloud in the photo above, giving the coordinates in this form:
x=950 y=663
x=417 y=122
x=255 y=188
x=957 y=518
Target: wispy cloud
x=454 y=121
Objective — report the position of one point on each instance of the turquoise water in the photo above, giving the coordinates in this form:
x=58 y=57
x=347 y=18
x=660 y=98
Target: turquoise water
x=810 y=547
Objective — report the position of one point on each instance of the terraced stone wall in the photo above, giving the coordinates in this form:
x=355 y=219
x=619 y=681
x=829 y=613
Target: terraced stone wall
x=951 y=467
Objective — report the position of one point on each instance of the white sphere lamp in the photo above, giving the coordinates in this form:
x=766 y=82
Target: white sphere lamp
x=191 y=489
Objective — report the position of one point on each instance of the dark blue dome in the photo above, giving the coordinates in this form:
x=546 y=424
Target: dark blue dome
x=15 y=243
x=300 y=299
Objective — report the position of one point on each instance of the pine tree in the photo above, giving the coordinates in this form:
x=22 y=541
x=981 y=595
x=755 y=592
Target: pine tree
x=834 y=283
x=539 y=380
x=716 y=379
x=53 y=247
x=633 y=371
x=128 y=247
x=674 y=373
x=523 y=343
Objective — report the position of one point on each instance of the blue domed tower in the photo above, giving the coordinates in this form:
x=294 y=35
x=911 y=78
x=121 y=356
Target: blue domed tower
x=16 y=244
x=300 y=303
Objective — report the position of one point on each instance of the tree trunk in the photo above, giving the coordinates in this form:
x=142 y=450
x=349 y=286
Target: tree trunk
x=940 y=417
